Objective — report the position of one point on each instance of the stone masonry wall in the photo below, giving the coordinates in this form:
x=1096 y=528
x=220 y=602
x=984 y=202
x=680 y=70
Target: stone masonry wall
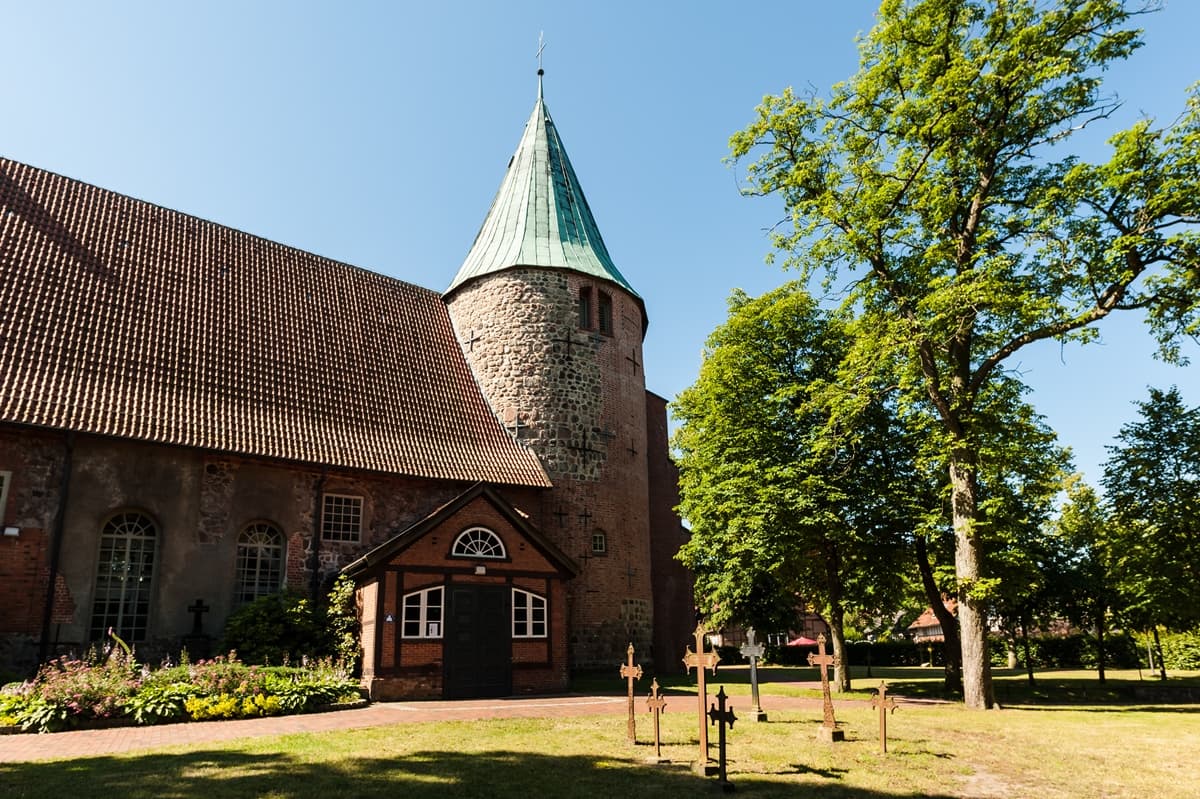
x=577 y=399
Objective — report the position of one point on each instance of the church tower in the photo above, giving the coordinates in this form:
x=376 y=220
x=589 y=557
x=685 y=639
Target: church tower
x=553 y=333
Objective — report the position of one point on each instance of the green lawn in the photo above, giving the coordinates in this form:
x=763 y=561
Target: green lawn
x=1059 y=750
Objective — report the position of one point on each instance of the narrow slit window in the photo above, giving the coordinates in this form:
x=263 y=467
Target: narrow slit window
x=606 y=314
x=585 y=308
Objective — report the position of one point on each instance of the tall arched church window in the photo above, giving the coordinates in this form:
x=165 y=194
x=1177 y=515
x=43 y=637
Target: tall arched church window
x=585 y=308
x=478 y=542
x=605 y=307
x=123 y=577
x=259 y=562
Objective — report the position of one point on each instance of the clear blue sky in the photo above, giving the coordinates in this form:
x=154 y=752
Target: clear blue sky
x=377 y=133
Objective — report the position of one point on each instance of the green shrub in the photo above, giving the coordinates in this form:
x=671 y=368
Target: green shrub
x=1181 y=651
x=279 y=628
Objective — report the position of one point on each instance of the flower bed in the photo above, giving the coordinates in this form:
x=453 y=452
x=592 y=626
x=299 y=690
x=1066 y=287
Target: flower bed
x=69 y=693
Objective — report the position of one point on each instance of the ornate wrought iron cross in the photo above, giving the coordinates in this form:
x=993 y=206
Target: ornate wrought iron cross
x=631 y=672
x=701 y=660
x=885 y=704
x=657 y=705
x=722 y=717
x=752 y=651
x=828 y=730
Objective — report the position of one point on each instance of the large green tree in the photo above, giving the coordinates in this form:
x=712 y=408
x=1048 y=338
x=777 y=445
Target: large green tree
x=1152 y=488
x=781 y=506
x=1086 y=586
x=940 y=177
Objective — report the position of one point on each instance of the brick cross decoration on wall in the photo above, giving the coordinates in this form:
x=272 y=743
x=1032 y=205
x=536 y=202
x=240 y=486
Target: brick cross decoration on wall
x=828 y=730
x=701 y=660
x=631 y=672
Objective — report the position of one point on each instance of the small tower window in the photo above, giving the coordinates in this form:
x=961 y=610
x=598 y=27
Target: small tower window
x=599 y=543
x=585 y=308
x=606 y=313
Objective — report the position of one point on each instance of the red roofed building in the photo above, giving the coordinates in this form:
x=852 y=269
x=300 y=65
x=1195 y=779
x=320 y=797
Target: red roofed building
x=189 y=412
x=927 y=629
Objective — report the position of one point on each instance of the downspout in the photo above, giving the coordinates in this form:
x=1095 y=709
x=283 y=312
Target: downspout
x=64 y=492
x=314 y=585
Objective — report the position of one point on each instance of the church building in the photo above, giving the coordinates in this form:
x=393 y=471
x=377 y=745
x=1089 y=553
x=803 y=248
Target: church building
x=192 y=417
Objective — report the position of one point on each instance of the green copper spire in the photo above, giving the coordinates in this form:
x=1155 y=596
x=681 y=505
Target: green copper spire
x=540 y=216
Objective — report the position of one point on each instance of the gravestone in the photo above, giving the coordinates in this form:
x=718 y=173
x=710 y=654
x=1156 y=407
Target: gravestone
x=885 y=704
x=631 y=672
x=198 y=643
x=828 y=731
x=701 y=660
x=752 y=651
x=722 y=717
x=657 y=706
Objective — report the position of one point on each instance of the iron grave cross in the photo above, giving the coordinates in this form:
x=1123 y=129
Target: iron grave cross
x=828 y=730
x=885 y=703
x=753 y=651
x=631 y=672
x=722 y=717
x=701 y=660
x=657 y=706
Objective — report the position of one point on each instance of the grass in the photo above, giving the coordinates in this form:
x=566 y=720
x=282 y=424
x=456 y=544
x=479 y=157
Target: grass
x=1061 y=750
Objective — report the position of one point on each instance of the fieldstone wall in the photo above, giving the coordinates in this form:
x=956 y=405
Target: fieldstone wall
x=577 y=398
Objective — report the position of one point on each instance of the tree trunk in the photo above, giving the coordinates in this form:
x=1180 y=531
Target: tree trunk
x=1010 y=645
x=1100 y=613
x=972 y=621
x=1028 y=657
x=837 y=615
x=950 y=644
x=1162 y=667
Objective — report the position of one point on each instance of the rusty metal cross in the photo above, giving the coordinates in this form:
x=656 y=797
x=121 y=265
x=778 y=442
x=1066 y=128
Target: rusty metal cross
x=657 y=705
x=701 y=660
x=631 y=672
x=198 y=610
x=829 y=730
x=885 y=704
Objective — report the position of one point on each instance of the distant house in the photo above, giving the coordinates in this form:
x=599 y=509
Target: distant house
x=927 y=629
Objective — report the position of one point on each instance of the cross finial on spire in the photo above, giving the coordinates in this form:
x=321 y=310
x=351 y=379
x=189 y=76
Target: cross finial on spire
x=541 y=47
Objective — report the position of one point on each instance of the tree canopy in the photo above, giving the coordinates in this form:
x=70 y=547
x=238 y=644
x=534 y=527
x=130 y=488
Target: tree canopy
x=1152 y=488
x=940 y=181
x=781 y=507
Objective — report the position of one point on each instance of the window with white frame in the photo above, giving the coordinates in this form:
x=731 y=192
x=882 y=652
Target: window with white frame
x=529 y=614
x=123 y=578
x=478 y=542
x=259 y=562
x=422 y=614
x=599 y=542
x=341 y=518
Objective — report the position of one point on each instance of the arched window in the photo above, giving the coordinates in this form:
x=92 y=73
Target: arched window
x=123 y=577
x=606 y=313
x=259 y=562
x=585 y=308
x=478 y=542
x=422 y=614
x=529 y=614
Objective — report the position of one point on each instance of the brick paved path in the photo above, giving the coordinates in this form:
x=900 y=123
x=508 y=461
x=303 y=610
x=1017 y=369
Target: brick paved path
x=89 y=743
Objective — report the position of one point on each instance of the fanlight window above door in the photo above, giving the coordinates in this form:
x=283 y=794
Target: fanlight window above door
x=478 y=542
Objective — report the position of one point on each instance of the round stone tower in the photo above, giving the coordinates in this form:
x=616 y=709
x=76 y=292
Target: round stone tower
x=553 y=333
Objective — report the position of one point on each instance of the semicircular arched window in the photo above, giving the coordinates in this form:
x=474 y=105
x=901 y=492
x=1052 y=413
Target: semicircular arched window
x=478 y=542
x=259 y=562
x=123 y=577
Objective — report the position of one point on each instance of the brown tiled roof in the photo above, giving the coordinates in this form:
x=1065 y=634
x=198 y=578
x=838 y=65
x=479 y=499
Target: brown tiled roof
x=121 y=318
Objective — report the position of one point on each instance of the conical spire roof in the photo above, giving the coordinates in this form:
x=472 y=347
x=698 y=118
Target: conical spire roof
x=540 y=216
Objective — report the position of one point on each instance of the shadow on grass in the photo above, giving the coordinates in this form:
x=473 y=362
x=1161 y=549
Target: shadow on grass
x=217 y=774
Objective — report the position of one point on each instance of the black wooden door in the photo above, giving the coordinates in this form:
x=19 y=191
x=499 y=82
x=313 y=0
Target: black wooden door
x=479 y=642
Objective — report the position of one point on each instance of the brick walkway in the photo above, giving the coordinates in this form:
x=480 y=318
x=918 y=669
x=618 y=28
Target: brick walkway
x=90 y=743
